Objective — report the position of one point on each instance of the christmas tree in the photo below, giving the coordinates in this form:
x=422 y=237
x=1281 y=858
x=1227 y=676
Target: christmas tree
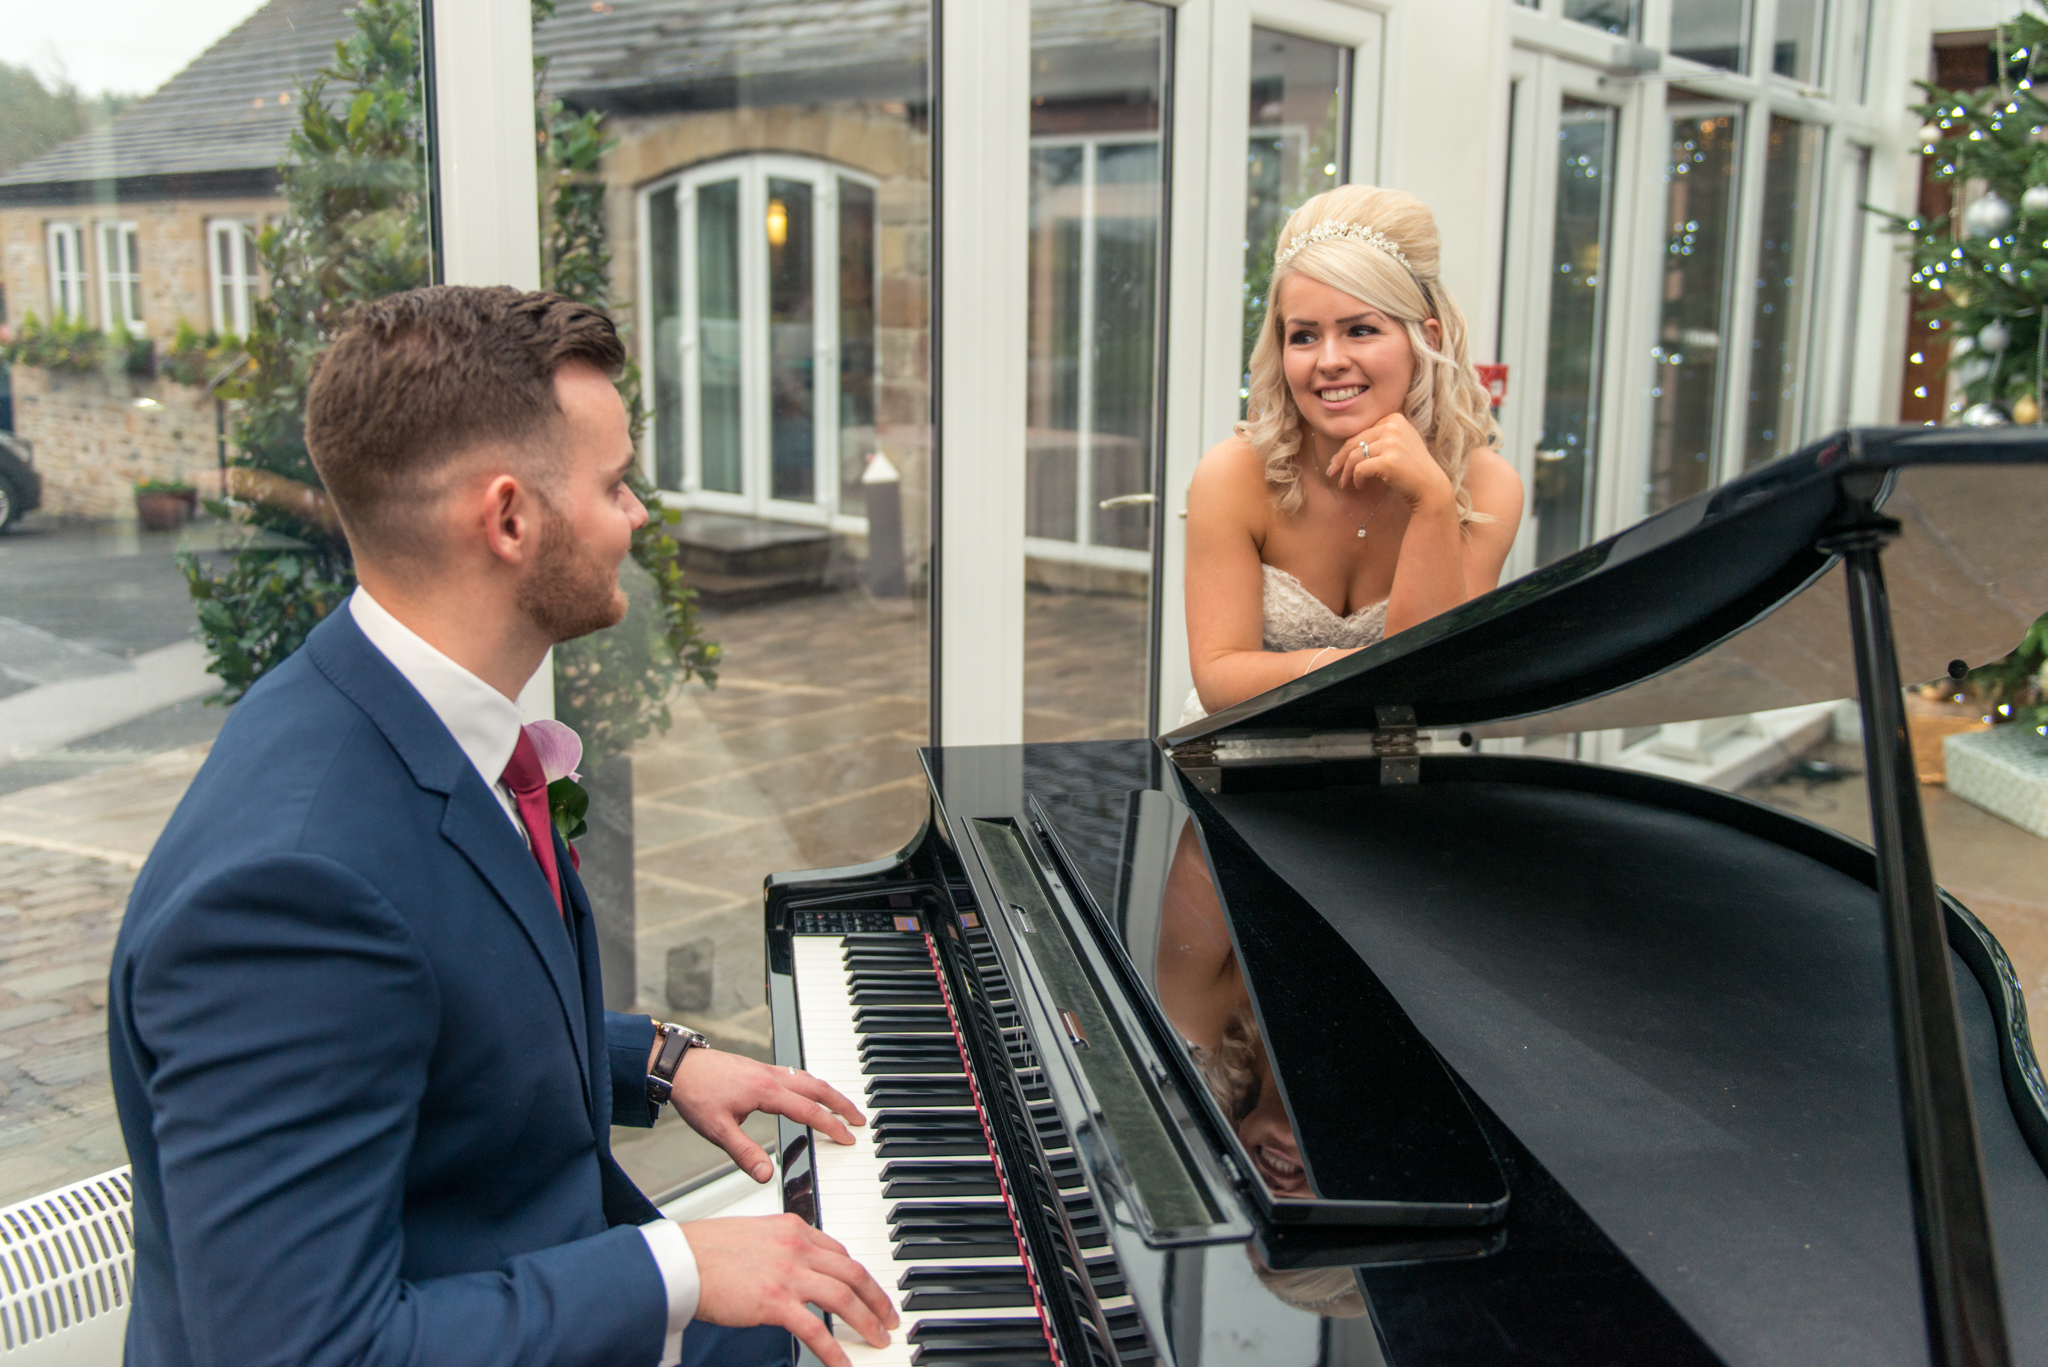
x=1982 y=271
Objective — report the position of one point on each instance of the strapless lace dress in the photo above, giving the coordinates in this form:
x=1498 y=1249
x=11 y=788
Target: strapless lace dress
x=1296 y=619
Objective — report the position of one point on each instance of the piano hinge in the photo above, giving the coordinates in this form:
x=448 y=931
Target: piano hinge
x=1197 y=759
x=1395 y=741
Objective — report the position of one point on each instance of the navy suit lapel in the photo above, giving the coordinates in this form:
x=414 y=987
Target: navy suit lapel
x=583 y=925
x=474 y=823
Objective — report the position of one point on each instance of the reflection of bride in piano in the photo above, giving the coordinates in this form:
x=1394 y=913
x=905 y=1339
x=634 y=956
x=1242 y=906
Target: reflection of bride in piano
x=1203 y=993
x=1362 y=395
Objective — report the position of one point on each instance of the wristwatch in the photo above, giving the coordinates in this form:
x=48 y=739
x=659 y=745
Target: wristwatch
x=661 y=1076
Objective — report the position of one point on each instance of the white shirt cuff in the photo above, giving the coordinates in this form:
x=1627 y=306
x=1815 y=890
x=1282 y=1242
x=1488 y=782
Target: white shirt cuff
x=677 y=1263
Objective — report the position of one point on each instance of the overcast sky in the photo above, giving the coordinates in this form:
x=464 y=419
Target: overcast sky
x=128 y=46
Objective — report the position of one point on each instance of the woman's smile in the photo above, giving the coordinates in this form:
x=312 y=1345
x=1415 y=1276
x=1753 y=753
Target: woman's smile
x=1338 y=397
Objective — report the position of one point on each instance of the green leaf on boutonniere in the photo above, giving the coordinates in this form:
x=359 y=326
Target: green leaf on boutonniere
x=567 y=806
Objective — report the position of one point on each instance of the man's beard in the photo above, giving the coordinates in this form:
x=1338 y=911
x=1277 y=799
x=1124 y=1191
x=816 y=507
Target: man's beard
x=569 y=594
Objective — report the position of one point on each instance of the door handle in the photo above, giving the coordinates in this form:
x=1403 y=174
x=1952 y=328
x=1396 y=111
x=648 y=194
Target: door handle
x=1128 y=501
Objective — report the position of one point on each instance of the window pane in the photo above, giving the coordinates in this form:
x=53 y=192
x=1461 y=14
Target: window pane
x=1058 y=220
x=1563 y=501
x=1796 y=50
x=1615 y=16
x=798 y=137
x=1710 y=31
x=1097 y=81
x=718 y=335
x=1685 y=387
x=1300 y=111
x=792 y=333
x=665 y=324
x=91 y=592
x=857 y=447
x=1784 y=283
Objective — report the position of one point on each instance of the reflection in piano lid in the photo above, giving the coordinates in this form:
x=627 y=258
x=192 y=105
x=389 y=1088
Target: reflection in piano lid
x=1510 y=1061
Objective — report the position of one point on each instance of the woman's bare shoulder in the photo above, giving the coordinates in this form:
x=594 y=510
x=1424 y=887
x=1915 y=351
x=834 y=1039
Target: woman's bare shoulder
x=1231 y=469
x=1493 y=484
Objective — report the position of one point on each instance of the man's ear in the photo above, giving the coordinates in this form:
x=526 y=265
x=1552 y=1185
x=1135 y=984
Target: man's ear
x=511 y=519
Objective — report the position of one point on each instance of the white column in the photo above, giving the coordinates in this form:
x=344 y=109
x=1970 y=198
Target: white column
x=487 y=190
x=983 y=129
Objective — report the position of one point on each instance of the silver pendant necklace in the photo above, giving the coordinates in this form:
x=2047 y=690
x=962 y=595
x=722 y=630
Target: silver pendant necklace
x=1334 y=493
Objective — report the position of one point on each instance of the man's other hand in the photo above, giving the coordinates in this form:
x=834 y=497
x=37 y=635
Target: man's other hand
x=767 y=1269
x=716 y=1091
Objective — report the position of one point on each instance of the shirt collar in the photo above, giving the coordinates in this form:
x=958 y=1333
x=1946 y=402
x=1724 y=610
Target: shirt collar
x=484 y=722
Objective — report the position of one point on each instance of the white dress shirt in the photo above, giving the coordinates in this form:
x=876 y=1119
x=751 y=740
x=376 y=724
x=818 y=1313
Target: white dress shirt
x=485 y=726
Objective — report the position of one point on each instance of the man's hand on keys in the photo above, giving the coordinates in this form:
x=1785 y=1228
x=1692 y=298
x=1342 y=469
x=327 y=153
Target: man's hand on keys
x=716 y=1091
x=766 y=1269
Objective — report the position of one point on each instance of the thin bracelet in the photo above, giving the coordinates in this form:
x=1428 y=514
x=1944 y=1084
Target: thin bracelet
x=1312 y=661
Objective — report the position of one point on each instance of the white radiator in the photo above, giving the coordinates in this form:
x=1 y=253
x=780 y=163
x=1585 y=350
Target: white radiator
x=67 y=1270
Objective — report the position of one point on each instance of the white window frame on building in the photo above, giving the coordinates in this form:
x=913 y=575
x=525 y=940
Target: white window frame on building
x=120 y=260
x=232 y=275
x=64 y=252
x=755 y=497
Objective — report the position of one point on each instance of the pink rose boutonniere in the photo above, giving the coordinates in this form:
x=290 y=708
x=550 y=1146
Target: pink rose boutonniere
x=560 y=750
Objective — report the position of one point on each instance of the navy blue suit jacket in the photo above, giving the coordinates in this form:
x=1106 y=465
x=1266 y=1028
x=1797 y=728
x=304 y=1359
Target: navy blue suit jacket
x=363 y=1065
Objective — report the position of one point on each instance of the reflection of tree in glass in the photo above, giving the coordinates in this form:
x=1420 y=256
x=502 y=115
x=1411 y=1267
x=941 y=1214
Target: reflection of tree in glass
x=1272 y=195
x=38 y=117
x=355 y=228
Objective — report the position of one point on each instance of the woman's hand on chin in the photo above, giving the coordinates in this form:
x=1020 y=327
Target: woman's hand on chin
x=1392 y=450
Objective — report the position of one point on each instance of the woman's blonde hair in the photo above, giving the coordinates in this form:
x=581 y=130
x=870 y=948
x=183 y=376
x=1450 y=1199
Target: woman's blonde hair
x=1445 y=400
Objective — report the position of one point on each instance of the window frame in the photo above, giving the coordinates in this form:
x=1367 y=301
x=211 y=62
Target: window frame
x=232 y=294
x=69 y=285
x=753 y=170
x=120 y=274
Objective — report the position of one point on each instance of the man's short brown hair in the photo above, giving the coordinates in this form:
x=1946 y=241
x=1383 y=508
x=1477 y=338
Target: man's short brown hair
x=416 y=379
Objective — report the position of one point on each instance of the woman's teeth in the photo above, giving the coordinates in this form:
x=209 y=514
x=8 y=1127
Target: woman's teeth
x=1279 y=1166
x=1340 y=395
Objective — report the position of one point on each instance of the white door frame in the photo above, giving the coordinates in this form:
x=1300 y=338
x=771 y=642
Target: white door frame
x=1205 y=267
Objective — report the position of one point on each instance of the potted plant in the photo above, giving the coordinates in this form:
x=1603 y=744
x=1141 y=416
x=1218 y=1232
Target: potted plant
x=164 y=505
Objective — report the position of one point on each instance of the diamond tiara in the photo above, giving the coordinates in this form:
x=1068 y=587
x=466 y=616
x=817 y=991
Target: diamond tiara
x=1324 y=232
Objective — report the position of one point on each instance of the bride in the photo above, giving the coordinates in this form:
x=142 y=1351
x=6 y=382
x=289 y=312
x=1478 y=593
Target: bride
x=1362 y=493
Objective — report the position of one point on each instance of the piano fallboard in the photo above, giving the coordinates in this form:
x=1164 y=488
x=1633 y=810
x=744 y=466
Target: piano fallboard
x=1663 y=1009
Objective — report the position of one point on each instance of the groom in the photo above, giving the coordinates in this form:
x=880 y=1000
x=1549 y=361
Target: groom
x=358 y=1039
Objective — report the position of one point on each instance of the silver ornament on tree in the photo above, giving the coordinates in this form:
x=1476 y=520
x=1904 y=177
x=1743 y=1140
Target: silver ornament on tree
x=1985 y=415
x=1929 y=135
x=1994 y=337
x=1987 y=217
x=2035 y=200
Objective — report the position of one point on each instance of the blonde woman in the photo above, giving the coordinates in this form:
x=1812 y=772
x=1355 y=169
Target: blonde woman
x=1362 y=494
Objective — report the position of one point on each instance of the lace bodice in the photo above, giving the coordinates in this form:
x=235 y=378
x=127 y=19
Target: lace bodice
x=1296 y=619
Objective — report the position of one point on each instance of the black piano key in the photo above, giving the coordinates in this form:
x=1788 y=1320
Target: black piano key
x=1005 y=1332
x=977 y=1357
x=861 y=939
x=903 y=1020
x=1107 y=1278
x=927 y=1248
x=941 y=1146
x=965 y=1288
x=888 y=958
x=913 y=1091
x=886 y=1066
x=896 y=996
x=894 y=1118
x=920 y=1227
x=941 y=1047
x=954 y=1212
x=907 y=1178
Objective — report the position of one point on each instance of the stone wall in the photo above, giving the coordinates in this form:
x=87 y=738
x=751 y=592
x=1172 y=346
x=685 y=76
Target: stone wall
x=170 y=250
x=95 y=436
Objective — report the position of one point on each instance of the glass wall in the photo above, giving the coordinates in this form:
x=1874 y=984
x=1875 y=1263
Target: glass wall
x=135 y=266
x=1713 y=32
x=1562 y=500
x=1687 y=355
x=750 y=193
x=1300 y=115
x=1784 y=288
x=1098 y=73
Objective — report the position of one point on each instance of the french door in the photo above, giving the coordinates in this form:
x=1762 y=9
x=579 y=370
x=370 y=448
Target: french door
x=761 y=354
x=1561 y=290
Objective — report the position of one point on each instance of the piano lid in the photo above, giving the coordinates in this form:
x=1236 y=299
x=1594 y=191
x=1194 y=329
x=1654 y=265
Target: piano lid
x=1718 y=606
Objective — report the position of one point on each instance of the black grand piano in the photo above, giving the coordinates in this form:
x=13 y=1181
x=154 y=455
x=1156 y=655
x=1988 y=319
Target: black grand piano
x=1293 y=1038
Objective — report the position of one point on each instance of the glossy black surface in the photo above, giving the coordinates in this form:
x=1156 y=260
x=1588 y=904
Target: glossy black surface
x=1622 y=610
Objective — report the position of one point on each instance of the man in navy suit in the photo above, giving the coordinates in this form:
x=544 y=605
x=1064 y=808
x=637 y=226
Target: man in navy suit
x=358 y=1039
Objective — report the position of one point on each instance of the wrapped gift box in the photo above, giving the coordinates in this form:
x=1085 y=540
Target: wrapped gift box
x=2003 y=770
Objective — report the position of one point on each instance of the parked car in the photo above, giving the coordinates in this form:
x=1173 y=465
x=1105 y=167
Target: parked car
x=21 y=488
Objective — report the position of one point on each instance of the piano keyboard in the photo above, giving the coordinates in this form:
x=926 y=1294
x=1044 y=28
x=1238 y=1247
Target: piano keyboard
x=917 y=1199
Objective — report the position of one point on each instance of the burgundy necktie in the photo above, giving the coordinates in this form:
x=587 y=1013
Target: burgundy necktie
x=529 y=785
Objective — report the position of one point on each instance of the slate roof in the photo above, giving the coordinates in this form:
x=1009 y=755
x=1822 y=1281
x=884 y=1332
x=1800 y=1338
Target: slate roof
x=229 y=115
